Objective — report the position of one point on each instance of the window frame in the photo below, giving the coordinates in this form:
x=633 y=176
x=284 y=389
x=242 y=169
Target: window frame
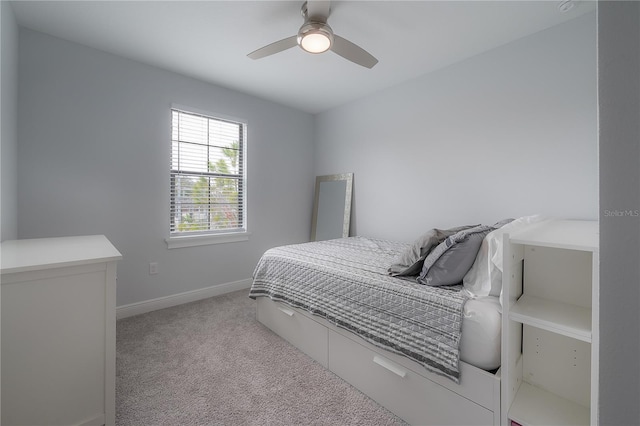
x=207 y=237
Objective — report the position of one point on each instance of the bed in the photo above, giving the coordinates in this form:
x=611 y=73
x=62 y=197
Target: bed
x=430 y=355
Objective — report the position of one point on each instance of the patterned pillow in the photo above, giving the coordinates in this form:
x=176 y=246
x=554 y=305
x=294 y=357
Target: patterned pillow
x=448 y=263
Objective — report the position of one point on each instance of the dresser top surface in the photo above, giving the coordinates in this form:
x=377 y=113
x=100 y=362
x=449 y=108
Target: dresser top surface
x=43 y=253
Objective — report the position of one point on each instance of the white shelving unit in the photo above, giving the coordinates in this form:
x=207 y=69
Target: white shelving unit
x=550 y=324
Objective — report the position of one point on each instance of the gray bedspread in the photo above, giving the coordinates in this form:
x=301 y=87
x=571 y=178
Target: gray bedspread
x=345 y=281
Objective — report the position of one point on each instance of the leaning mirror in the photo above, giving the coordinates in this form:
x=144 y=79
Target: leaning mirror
x=332 y=207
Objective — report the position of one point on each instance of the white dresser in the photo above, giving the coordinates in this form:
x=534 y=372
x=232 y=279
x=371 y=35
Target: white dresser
x=58 y=331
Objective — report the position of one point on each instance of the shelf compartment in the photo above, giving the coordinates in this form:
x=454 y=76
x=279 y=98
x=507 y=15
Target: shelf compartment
x=557 y=317
x=534 y=406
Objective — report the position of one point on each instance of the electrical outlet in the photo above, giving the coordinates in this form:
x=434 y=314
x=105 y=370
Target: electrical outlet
x=153 y=268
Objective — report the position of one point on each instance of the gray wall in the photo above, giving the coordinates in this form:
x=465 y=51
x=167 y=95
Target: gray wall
x=9 y=124
x=619 y=115
x=510 y=132
x=93 y=158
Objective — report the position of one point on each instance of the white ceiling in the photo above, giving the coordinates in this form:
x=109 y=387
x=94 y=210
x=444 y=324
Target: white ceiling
x=209 y=40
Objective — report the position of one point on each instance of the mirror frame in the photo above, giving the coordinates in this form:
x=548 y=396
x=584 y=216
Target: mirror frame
x=348 y=178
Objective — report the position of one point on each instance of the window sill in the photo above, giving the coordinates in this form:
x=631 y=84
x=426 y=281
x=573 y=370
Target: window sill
x=205 y=240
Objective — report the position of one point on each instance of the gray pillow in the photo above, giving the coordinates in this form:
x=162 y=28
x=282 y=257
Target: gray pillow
x=409 y=262
x=448 y=263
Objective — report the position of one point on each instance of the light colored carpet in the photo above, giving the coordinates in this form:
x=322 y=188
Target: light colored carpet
x=211 y=363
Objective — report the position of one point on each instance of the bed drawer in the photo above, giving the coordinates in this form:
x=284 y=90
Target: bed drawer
x=295 y=327
x=409 y=395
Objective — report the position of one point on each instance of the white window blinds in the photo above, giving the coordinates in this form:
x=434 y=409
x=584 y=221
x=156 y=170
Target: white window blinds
x=207 y=175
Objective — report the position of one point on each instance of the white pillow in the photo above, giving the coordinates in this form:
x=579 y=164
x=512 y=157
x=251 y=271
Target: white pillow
x=485 y=276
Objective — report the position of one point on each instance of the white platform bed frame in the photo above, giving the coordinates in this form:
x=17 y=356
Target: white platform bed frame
x=397 y=383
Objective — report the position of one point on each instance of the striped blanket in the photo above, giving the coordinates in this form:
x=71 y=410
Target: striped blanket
x=345 y=281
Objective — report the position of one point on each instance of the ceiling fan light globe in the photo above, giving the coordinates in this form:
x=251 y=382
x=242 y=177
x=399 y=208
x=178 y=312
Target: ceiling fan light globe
x=315 y=42
x=315 y=37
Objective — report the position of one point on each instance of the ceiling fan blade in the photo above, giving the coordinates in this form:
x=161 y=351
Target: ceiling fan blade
x=352 y=52
x=276 y=47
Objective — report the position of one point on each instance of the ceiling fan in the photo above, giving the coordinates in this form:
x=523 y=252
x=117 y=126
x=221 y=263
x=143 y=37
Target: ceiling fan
x=316 y=36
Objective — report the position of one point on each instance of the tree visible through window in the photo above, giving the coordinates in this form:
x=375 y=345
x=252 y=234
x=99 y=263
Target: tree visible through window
x=207 y=174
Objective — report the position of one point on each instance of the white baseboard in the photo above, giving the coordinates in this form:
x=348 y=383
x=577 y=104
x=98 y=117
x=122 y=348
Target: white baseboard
x=145 y=306
x=98 y=420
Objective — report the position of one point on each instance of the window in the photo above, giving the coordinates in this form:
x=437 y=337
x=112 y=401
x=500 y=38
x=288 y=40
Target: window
x=207 y=175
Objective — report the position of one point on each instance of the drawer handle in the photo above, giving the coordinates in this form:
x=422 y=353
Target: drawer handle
x=390 y=366
x=286 y=311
